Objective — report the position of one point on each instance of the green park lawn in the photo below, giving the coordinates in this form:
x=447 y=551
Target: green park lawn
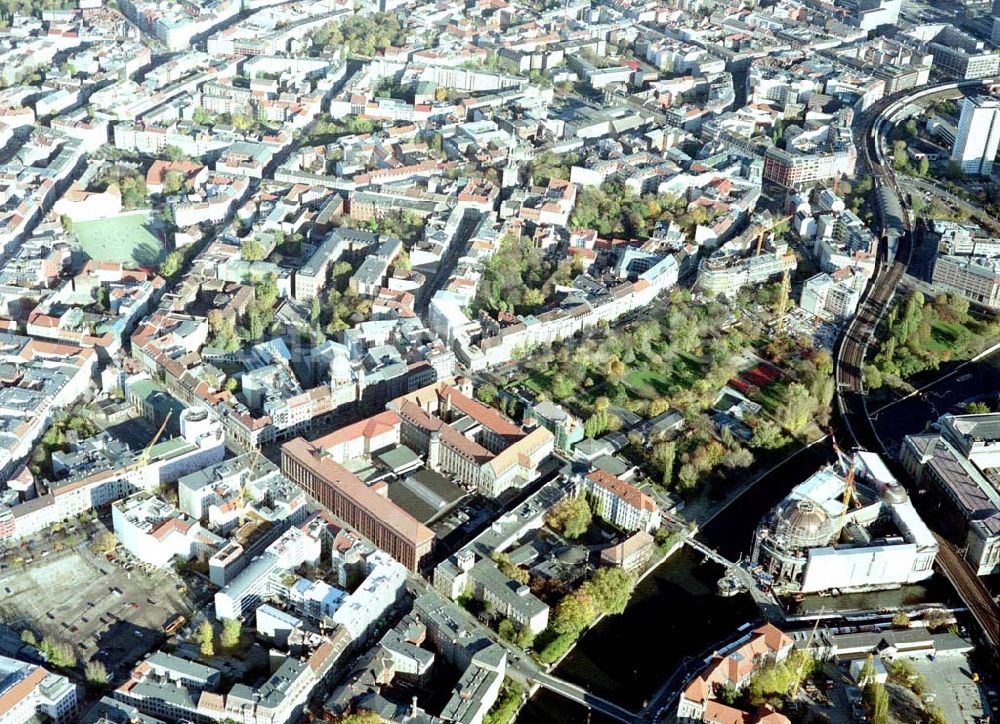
x=127 y=239
x=683 y=370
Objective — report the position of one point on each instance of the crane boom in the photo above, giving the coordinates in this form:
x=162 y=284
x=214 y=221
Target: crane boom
x=812 y=635
x=144 y=455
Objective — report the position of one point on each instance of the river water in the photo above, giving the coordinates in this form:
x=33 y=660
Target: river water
x=675 y=612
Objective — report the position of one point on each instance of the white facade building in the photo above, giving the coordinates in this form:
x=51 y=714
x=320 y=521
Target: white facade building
x=978 y=135
x=29 y=693
x=155 y=532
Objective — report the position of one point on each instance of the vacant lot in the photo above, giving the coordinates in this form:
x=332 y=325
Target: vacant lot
x=132 y=239
x=949 y=680
x=73 y=590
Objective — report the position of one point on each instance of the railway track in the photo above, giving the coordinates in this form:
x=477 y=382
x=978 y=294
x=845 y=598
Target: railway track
x=894 y=254
x=971 y=589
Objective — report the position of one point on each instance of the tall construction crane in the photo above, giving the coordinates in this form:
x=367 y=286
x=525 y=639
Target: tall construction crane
x=850 y=495
x=143 y=458
x=763 y=232
x=805 y=659
x=241 y=497
x=783 y=295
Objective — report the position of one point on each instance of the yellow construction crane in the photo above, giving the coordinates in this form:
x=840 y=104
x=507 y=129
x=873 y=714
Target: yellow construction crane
x=143 y=458
x=786 y=289
x=805 y=659
x=241 y=497
x=763 y=232
x=850 y=495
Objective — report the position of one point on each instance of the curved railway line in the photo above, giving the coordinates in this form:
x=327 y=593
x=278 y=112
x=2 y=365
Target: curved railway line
x=894 y=254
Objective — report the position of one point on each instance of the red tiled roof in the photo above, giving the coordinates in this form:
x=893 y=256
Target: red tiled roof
x=483 y=414
x=629 y=493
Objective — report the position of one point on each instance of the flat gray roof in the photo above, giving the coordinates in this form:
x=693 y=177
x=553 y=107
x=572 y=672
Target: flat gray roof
x=425 y=494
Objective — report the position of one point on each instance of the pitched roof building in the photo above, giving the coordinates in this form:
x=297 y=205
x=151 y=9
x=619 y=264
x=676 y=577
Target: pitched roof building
x=767 y=644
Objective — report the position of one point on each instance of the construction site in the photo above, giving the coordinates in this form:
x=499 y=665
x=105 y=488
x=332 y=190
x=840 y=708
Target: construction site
x=849 y=527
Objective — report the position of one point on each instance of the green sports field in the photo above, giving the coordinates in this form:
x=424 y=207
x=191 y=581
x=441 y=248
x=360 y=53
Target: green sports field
x=128 y=239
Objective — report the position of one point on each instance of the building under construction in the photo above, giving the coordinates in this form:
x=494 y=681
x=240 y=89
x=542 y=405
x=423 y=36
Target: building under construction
x=848 y=527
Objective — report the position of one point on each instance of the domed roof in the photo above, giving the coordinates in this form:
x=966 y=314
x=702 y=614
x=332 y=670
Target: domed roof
x=805 y=518
x=340 y=369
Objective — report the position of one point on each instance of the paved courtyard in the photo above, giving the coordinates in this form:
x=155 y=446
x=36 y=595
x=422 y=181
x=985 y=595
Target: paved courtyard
x=948 y=678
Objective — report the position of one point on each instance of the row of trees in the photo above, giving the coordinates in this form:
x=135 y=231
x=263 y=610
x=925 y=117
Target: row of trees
x=875 y=697
x=229 y=637
x=10 y=8
x=507 y=704
x=62 y=655
x=57 y=652
x=606 y=593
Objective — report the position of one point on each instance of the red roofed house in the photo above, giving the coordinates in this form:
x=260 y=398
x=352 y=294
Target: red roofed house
x=768 y=644
x=193 y=173
x=621 y=503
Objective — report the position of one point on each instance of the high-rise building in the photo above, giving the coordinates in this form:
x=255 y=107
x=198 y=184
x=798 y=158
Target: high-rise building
x=871 y=14
x=978 y=135
x=995 y=13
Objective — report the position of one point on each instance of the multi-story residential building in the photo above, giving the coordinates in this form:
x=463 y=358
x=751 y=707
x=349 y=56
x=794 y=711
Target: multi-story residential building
x=44 y=168
x=42 y=377
x=797 y=169
x=632 y=554
x=29 y=692
x=278 y=699
x=726 y=273
x=977 y=278
x=833 y=296
x=179 y=26
x=871 y=14
x=978 y=135
x=129 y=294
x=486 y=582
x=156 y=533
x=469 y=440
x=98 y=474
x=699 y=702
x=181 y=672
x=621 y=503
x=962 y=56
x=479 y=346
x=478 y=687
x=567 y=428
